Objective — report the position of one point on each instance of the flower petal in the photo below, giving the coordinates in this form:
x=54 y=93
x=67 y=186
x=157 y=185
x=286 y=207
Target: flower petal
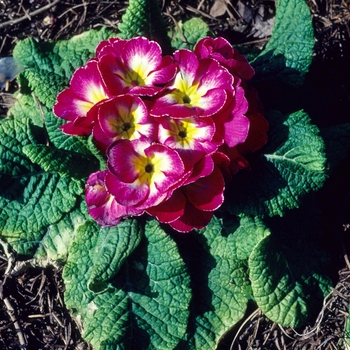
x=102 y=206
x=192 y=218
x=86 y=89
x=222 y=51
x=126 y=194
x=171 y=209
x=207 y=193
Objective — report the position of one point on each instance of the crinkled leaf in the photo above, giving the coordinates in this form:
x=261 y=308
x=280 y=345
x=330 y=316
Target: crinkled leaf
x=50 y=65
x=61 y=140
x=65 y=163
x=219 y=283
x=285 y=287
x=61 y=57
x=293 y=164
x=250 y=232
x=45 y=84
x=113 y=246
x=144 y=18
x=288 y=54
x=187 y=34
x=29 y=203
x=144 y=307
x=30 y=199
x=59 y=236
x=26 y=106
x=14 y=134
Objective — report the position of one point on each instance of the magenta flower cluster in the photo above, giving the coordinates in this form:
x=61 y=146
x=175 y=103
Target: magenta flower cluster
x=173 y=128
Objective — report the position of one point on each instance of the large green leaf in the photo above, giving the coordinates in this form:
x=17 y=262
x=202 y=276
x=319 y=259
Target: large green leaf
x=219 y=282
x=286 y=288
x=67 y=164
x=27 y=107
x=288 y=54
x=293 y=164
x=144 y=307
x=54 y=244
x=30 y=198
x=288 y=269
x=113 y=247
x=50 y=65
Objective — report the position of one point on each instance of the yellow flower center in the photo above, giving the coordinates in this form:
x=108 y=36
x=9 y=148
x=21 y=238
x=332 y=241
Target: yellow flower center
x=185 y=92
x=137 y=75
x=185 y=132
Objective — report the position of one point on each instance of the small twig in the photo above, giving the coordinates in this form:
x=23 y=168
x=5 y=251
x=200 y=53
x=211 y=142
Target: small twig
x=11 y=312
x=9 y=255
x=28 y=15
x=257 y=312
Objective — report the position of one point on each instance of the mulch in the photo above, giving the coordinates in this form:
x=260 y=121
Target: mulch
x=32 y=312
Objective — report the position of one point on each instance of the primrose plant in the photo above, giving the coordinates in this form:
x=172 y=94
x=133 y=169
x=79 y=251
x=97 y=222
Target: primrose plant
x=145 y=165
x=169 y=127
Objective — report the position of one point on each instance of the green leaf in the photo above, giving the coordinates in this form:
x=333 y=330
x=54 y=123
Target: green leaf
x=219 y=283
x=293 y=164
x=14 y=134
x=288 y=54
x=187 y=34
x=285 y=287
x=250 y=232
x=144 y=307
x=61 y=140
x=113 y=247
x=30 y=199
x=65 y=163
x=144 y=18
x=26 y=106
x=58 y=237
x=50 y=65
x=61 y=57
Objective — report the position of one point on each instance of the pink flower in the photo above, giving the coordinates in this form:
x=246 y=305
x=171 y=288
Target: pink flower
x=75 y=103
x=200 y=88
x=191 y=137
x=173 y=129
x=102 y=206
x=142 y=174
x=123 y=117
x=221 y=50
x=134 y=66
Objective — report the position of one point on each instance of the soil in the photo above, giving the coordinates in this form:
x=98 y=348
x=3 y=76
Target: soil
x=32 y=312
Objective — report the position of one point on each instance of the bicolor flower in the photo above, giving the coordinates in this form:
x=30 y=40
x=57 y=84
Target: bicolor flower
x=123 y=117
x=142 y=174
x=191 y=137
x=102 y=206
x=199 y=89
x=135 y=66
x=75 y=103
x=222 y=51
